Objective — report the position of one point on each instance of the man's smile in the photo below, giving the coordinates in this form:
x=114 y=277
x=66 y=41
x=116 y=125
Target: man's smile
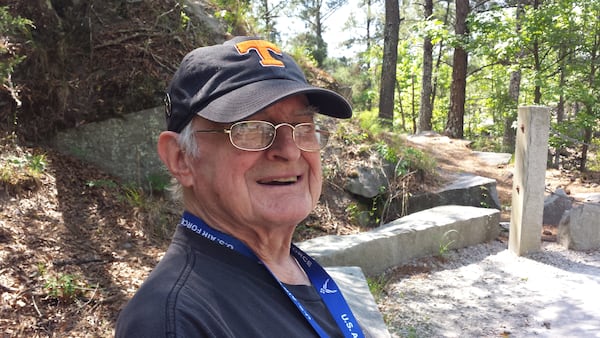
x=280 y=181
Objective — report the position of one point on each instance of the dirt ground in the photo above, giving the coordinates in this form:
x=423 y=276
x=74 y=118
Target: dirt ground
x=456 y=156
x=75 y=246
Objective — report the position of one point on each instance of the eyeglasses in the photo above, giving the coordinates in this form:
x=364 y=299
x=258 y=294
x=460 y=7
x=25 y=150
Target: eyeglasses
x=260 y=135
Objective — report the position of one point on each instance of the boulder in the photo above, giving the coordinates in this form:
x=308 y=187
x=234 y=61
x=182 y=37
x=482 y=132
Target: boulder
x=465 y=189
x=368 y=182
x=124 y=147
x=555 y=206
x=593 y=197
x=493 y=159
x=579 y=229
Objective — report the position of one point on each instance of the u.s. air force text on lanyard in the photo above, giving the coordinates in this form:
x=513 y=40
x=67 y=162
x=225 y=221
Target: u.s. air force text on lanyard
x=320 y=279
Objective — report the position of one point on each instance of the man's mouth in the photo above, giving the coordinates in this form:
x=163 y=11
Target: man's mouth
x=281 y=181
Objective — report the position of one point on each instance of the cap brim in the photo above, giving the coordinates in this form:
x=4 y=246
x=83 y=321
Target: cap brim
x=250 y=99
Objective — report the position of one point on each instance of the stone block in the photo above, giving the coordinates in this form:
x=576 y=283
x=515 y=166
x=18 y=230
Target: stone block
x=416 y=235
x=494 y=159
x=555 y=206
x=354 y=287
x=580 y=228
x=465 y=189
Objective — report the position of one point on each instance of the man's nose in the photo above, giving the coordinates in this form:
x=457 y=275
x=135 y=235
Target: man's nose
x=284 y=144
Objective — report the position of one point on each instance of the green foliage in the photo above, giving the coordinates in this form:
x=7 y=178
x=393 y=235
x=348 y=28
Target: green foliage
x=152 y=208
x=392 y=150
x=377 y=286
x=370 y=122
x=185 y=19
x=485 y=194
x=130 y=193
x=233 y=13
x=65 y=287
x=406 y=159
x=350 y=138
x=62 y=287
x=411 y=332
x=22 y=167
x=311 y=45
x=301 y=53
x=418 y=160
x=353 y=212
x=103 y=183
x=158 y=182
x=134 y=196
x=5 y=173
x=594 y=161
x=448 y=238
x=9 y=170
x=386 y=152
x=36 y=164
x=483 y=143
x=11 y=26
x=389 y=146
x=365 y=213
x=434 y=29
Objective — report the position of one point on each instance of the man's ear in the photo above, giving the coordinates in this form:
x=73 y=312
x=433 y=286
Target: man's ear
x=174 y=158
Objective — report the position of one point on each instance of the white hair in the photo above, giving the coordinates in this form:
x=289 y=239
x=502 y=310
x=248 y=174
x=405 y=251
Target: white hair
x=188 y=144
x=187 y=141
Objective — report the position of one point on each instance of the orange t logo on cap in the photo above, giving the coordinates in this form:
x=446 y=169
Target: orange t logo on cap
x=263 y=48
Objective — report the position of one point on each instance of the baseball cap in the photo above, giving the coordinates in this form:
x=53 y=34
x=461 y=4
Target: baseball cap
x=234 y=80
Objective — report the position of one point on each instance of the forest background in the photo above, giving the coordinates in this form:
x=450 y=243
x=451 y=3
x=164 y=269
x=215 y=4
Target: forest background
x=456 y=67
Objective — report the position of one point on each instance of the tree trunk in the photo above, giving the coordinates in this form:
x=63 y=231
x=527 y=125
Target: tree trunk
x=268 y=18
x=456 y=115
x=440 y=55
x=537 y=63
x=390 y=58
x=368 y=84
x=587 y=139
x=402 y=115
x=321 y=54
x=560 y=107
x=508 y=138
x=537 y=91
x=426 y=108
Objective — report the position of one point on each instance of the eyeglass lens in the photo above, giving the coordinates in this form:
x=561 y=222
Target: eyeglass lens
x=259 y=135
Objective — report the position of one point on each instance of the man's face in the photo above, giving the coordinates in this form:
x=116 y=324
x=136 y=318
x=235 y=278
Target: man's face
x=275 y=187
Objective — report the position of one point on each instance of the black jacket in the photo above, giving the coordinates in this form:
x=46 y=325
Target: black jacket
x=202 y=289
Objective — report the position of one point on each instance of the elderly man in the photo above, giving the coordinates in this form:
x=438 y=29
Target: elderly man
x=243 y=146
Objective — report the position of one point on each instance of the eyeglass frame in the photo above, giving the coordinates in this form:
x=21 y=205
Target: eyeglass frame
x=318 y=129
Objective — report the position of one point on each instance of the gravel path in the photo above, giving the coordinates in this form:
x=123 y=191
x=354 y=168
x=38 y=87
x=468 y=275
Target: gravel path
x=487 y=291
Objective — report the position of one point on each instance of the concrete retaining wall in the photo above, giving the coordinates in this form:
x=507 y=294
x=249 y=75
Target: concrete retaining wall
x=416 y=235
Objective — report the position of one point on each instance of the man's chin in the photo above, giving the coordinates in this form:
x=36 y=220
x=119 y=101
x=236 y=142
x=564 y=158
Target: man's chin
x=285 y=219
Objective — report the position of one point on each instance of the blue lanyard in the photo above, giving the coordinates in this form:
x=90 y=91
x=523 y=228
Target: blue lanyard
x=320 y=279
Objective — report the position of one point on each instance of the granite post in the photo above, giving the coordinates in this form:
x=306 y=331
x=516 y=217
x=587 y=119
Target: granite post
x=531 y=153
